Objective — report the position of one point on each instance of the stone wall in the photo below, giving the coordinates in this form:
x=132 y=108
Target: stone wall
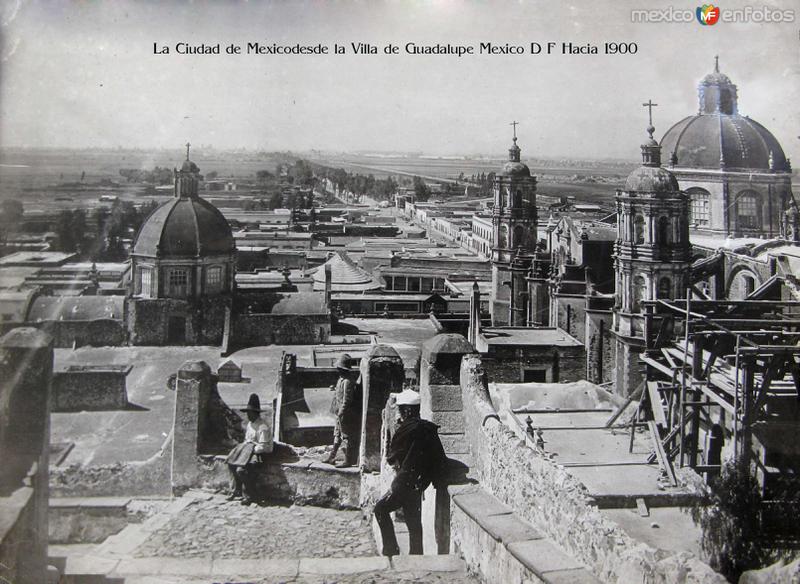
x=560 y=364
x=554 y=502
x=91 y=388
x=26 y=370
x=253 y=330
x=94 y=333
x=148 y=320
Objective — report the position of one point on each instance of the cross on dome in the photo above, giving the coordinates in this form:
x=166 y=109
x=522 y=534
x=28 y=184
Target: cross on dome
x=650 y=105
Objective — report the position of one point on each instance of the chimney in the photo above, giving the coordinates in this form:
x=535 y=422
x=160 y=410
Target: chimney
x=328 y=279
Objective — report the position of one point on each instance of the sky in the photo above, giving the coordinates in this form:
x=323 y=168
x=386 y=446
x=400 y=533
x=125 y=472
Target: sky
x=84 y=74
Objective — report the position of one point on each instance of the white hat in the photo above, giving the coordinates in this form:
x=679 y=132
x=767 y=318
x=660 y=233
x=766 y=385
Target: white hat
x=408 y=397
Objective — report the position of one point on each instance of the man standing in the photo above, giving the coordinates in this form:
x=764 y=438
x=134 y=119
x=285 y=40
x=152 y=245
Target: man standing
x=346 y=406
x=244 y=456
x=416 y=453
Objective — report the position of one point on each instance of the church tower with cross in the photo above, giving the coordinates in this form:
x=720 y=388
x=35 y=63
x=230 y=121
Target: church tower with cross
x=182 y=269
x=514 y=238
x=652 y=254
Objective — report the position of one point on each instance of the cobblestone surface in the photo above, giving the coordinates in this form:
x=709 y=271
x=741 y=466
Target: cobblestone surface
x=380 y=578
x=220 y=529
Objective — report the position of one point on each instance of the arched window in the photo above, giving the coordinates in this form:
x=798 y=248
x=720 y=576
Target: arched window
x=146 y=282
x=663 y=231
x=664 y=288
x=699 y=207
x=638 y=229
x=639 y=293
x=214 y=279
x=519 y=235
x=178 y=283
x=748 y=210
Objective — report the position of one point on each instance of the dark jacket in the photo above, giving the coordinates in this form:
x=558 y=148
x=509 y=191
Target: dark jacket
x=417 y=454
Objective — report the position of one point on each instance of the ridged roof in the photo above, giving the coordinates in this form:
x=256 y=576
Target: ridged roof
x=716 y=141
x=184 y=227
x=346 y=276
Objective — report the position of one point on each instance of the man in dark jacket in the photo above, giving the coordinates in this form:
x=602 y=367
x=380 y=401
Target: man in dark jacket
x=417 y=455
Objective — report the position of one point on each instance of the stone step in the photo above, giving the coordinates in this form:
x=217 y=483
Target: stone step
x=91 y=569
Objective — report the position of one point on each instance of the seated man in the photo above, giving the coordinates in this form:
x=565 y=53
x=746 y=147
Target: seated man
x=242 y=458
x=416 y=453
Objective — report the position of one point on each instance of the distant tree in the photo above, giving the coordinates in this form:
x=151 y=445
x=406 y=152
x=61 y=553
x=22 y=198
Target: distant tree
x=83 y=175
x=11 y=212
x=263 y=176
x=212 y=175
x=421 y=191
x=70 y=229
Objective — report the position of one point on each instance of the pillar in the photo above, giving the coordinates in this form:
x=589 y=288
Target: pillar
x=382 y=373
x=442 y=404
x=192 y=392
x=26 y=372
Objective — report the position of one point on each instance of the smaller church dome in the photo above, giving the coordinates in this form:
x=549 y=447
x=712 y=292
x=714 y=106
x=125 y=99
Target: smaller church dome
x=514 y=168
x=651 y=179
x=189 y=166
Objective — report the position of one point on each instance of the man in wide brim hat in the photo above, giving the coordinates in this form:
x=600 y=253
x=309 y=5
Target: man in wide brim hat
x=346 y=406
x=242 y=458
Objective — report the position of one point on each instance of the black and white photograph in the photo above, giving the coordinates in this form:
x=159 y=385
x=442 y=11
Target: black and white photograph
x=399 y=291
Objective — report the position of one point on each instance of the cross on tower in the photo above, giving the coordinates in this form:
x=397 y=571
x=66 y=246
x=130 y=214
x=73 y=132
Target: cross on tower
x=650 y=105
x=515 y=124
x=187 y=150
x=716 y=63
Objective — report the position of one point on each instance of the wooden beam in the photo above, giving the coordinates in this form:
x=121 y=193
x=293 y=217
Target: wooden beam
x=663 y=461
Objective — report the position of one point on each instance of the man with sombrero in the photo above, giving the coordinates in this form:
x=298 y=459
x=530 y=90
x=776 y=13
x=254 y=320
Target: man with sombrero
x=346 y=406
x=242 y=458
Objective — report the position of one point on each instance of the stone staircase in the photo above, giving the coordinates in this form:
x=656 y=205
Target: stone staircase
x=120 y=559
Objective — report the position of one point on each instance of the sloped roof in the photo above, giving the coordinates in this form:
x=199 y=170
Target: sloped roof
x=184 y=227
x=346 y=276
x=80 y=308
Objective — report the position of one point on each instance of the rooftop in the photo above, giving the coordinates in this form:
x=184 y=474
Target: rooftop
x=529 y=337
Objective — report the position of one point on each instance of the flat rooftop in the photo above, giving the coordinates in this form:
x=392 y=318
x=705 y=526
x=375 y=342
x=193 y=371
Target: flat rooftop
x=523 y=336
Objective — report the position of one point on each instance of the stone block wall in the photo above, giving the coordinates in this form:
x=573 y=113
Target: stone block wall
x=554 y=502
x=94 y=333
x=26 y=371
x=561 y=364
x=91 y=388
x=252 y=330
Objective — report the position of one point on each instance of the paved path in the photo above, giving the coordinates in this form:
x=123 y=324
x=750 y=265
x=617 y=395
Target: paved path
x=200 y=538
x=222 y=529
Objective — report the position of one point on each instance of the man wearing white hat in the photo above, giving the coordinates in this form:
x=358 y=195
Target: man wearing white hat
x=417 y=455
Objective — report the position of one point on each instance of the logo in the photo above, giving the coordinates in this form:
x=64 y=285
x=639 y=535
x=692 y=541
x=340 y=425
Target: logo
x=707 y=14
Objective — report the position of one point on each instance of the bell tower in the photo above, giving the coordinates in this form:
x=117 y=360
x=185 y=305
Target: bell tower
x=514 y=238
x=652 y=255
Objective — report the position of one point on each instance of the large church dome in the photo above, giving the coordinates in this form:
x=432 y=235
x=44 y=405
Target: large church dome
x=717 y=137
x=184 y=226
